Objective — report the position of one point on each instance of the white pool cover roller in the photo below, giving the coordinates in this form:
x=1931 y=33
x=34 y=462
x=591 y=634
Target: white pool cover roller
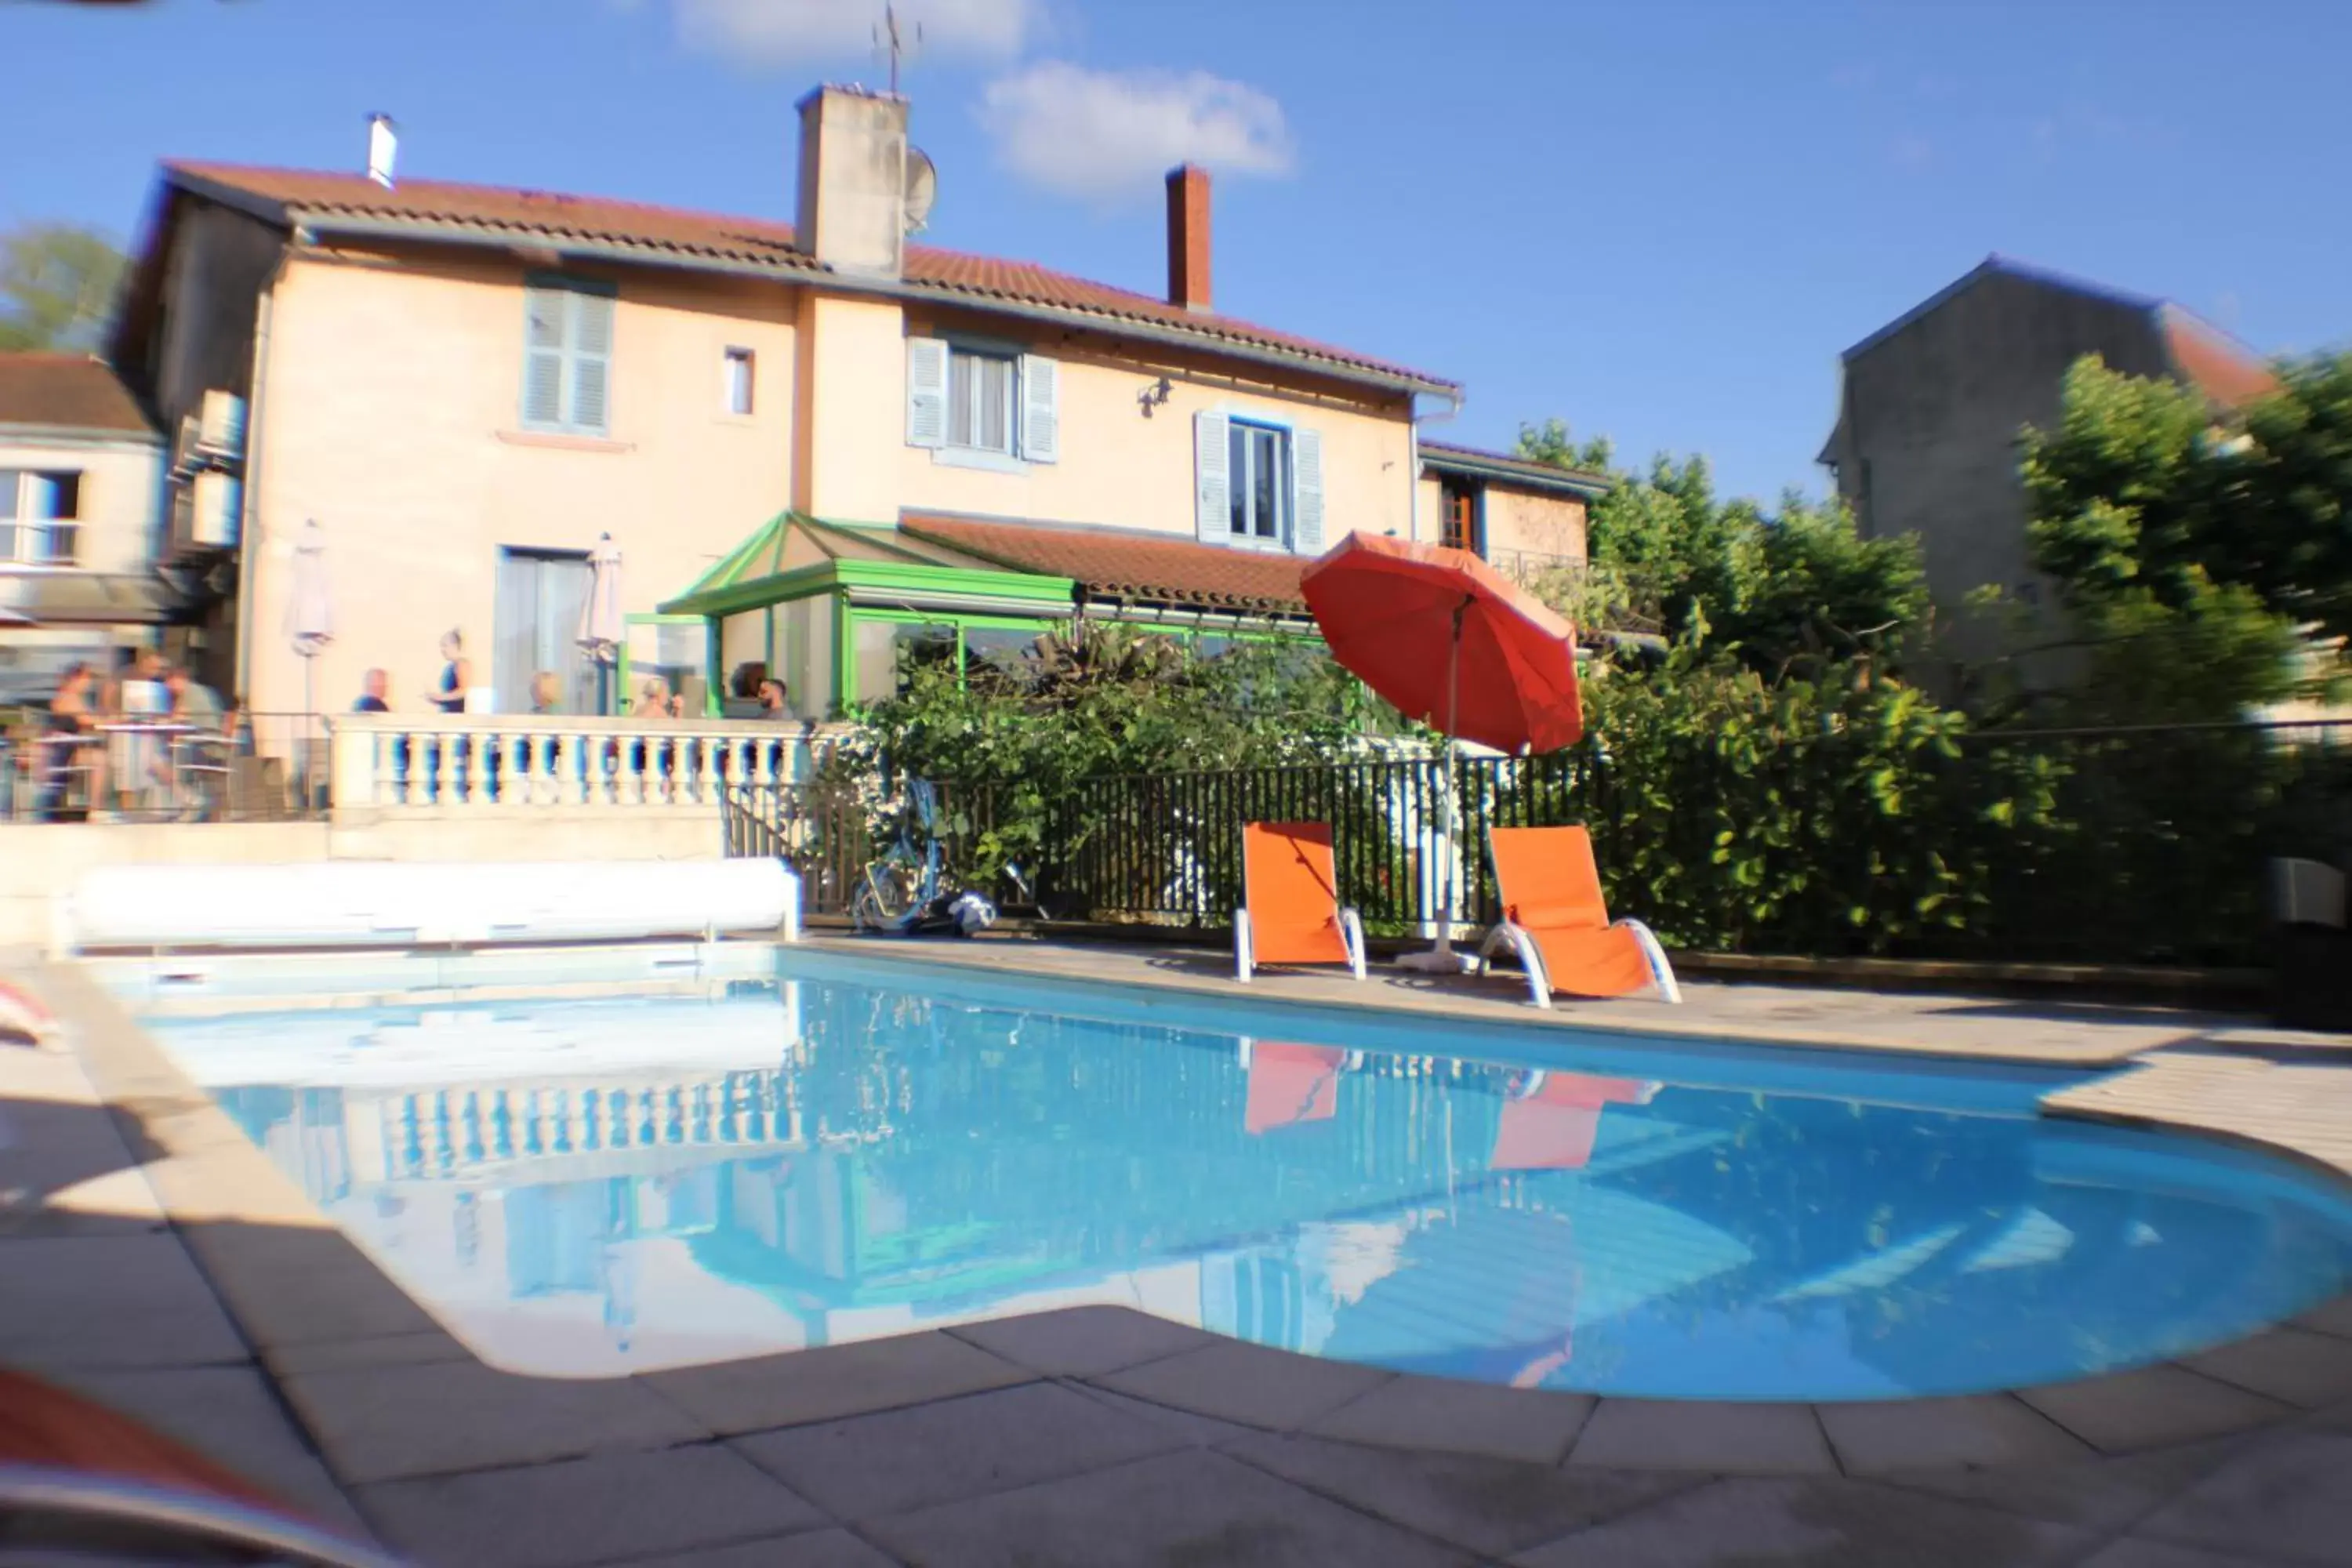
x=373 y=904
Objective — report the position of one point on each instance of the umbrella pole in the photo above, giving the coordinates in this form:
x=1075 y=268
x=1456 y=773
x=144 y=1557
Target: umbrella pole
x=1442 y=959
x=310 y=708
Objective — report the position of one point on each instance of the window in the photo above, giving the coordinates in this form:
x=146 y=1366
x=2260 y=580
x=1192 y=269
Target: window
x=983 y=406
x=1258 y=499
x=1458 y=519
x=567 y=356
x=979 y=401
x=884 y=651
x=40 y=515
x=1257 y=483
x=737 y=388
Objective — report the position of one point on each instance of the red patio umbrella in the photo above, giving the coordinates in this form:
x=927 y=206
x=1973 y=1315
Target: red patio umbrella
x=1452 y=642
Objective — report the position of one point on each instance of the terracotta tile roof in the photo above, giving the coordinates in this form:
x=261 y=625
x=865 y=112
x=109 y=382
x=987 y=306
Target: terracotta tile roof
x=1121 y=564
x=70 y=392
x=2208 y=359
x=299 y=195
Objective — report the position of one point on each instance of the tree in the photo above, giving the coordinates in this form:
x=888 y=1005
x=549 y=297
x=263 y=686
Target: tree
x=1106 y=700
x=1800 y=587
x=58 y=283
x=2193 y=548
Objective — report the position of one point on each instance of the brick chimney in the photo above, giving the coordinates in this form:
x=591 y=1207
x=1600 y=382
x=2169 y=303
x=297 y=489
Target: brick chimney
x=1187 y=236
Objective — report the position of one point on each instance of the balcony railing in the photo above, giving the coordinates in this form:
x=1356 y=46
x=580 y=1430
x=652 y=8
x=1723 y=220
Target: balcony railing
x=390 y=761
x=1525 y=566
x=40 y=542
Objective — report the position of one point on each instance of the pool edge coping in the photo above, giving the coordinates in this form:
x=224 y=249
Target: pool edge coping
x=209 y=1174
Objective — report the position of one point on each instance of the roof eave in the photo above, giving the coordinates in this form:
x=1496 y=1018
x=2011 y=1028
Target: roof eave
x=1564 y=482
x=28 y=435
x=805 y=273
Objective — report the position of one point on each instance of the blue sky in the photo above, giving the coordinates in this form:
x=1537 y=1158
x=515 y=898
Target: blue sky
x=1659 y=221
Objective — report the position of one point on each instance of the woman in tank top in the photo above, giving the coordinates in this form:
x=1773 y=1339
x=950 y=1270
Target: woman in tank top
x=456 y=675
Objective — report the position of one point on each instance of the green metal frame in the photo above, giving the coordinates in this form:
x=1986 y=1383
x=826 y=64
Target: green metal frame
x=621 y=680
x=853 y=613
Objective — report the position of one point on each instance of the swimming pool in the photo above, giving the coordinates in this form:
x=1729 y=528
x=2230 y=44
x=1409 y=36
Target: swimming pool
x=843 y=1150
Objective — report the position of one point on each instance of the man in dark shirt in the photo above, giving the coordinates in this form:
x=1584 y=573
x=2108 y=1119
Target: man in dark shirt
x=372 y=686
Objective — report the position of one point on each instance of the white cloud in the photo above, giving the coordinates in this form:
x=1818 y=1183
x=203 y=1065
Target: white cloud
x=774 y=31
x=1105 y=136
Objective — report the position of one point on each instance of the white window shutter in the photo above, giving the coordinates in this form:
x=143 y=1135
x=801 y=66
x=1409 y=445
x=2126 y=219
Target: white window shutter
x=1211 y=502
x=1307 y=481
x=1041 y=409
x=543 y=359
x=927 y=391
x=592 y=350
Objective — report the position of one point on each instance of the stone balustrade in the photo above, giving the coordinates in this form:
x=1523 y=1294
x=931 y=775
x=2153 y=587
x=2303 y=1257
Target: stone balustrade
x=502 y=762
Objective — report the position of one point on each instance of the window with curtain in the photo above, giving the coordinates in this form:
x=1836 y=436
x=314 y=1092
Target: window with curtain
x=979 y=401
x=1259 y=494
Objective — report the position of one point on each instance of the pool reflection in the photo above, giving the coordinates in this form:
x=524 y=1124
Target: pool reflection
x=587 y=1189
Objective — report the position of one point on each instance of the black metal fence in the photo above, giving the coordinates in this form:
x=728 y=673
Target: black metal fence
x=2115 y=846
x=830 y=831
x=1167 y=846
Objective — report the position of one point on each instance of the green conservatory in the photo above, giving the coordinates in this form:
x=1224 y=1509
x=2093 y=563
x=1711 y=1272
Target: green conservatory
x=832 y=608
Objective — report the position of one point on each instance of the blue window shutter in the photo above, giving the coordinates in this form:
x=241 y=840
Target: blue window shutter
x=1212 y=479
x=592 y=356
x=927 y=391
x=1041 y=409
x=544 y=316
x=1306 y=481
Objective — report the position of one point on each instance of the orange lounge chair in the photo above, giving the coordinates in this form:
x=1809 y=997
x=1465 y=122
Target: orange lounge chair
x=1292 y=913
x=1553 y=917
x=1290 y=1083
x=1552 y=1119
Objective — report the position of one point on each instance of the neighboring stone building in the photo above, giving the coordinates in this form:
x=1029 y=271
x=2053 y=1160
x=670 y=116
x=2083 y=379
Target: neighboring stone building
x=1927 y=436
x=815 y=444
x=80 y=472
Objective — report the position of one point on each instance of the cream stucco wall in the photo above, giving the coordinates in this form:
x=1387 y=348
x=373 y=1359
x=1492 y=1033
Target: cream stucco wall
x=389 y=411
x=386 y=407
x=848 y=433
x=1536 y=524
x=1429 y=520
x=1516 y=520
x=1119 y=467
x=121 y=489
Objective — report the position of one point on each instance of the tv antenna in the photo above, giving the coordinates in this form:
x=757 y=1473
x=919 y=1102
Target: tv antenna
x=888 y=40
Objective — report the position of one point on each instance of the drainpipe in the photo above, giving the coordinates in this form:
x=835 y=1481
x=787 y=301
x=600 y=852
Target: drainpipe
x=1413 y=495
x=249 y=496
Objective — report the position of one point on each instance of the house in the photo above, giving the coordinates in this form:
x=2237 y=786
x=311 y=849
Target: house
x=814 y=443
x=1929 y=422
x=81 y=472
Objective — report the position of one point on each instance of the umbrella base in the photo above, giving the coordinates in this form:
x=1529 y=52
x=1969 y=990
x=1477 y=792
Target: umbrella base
x=1442 y=959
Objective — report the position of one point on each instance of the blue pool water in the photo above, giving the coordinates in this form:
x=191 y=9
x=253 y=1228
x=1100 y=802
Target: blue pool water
x=849 y=1151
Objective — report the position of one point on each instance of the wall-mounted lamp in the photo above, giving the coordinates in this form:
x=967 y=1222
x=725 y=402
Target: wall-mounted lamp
x=1155 y=395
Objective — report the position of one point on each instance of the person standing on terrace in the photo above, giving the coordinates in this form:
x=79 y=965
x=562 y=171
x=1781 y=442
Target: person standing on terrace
x=372 y=686
x=457 y=675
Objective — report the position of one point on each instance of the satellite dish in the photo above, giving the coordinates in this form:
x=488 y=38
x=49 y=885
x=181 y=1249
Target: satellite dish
x=922 y=188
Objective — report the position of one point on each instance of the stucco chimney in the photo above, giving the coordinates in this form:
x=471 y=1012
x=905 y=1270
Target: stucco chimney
x=383 y=145
x=852 y=207
x=1187 y=236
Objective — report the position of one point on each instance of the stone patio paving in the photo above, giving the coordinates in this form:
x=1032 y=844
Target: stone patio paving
x=152 y=1257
